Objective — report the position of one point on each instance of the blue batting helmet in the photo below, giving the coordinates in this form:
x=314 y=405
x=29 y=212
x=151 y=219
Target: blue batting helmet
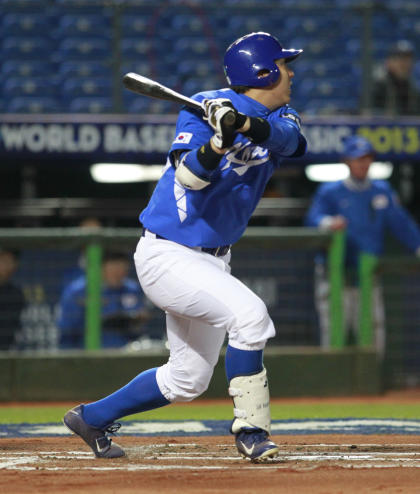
x=248 y=56
x=356 y=147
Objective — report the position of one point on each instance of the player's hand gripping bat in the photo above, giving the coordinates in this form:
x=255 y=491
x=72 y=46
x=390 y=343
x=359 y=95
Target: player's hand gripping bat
x=142 y=85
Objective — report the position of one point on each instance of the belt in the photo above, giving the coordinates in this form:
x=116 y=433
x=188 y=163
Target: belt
x=214 y=251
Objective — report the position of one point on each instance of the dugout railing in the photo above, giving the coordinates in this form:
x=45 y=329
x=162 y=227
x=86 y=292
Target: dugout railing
x=275 y=262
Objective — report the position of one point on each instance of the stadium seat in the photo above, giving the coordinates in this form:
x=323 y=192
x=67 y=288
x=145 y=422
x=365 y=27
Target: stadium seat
x=98 y=87
x=24 y=24
x=135 y=25
x=84 y=68
x=29 y=86
x=84 y=49
x=197 y=84
x=83 y=26
x=192 y=48
x=195 y=68
x=33 y=104
x=152 y=106
x=187 y=23
x=136 y=48
x=88 y=104
x=331 y=106
x=409 y=27
x=26 y=48
x=27 y=68
x=142 y=67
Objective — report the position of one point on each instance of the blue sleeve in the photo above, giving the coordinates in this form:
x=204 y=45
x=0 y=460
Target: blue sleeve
x=136 y=302
x=191 y=131
x=71 y=319
x=321 y=206
x=402 y=224
x=285 y=136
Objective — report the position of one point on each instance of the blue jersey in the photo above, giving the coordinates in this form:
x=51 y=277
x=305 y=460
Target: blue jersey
x=119 y=305
x=218 y=214
x=369 y=212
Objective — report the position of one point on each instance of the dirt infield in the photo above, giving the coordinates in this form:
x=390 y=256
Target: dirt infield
x=307 y=464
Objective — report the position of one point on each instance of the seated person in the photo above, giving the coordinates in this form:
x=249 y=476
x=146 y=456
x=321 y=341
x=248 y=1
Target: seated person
x=123 y=310
x=11 y=299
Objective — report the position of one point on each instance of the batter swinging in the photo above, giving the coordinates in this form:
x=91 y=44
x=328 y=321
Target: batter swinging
x=212 y=182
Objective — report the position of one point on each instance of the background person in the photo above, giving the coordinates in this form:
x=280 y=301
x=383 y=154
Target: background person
x=366 y=209
x=394 y=88
x=123 y=311
x=12 y=299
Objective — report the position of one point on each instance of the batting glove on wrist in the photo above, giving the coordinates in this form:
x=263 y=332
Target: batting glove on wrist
x=223 y=117
x=291 y=114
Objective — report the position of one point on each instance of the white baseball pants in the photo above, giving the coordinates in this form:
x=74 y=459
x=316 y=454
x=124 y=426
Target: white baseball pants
x=203 y=302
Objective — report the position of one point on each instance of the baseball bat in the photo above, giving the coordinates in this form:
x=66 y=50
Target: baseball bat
x=143 y=85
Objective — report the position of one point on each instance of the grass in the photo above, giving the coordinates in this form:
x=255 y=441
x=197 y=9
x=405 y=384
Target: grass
x=223 y=411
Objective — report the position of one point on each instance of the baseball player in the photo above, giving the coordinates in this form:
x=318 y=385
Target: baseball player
x=366 y=209
x=123 y=310
x=214 y=177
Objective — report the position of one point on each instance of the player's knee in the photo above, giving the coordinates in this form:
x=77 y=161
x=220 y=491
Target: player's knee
x=254 y=327
x=189 y=389
x=181 y=385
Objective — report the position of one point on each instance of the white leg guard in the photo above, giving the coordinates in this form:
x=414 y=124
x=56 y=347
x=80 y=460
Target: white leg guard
x=251 y=399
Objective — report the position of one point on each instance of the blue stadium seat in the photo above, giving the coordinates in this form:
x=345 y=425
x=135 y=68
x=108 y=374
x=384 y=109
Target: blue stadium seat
x=83 y=26
x=135 y=25
x=331 y=106
x=29 y=86
x=192 y=48
x=24 y=24
x=409 y=27
x=84 y=68
x=98 y=87
x=187 y=23
x=33 y=104
x=329 y=67
x=151 y=106
x=136 y=48
x=241 y=24
x=195 y=85
x=88 y=104
x=26 y=48
x=142 y=67
x=345 y=87
x=84 y=49
x=416 y=73
x=27 y=68
x=196 y=68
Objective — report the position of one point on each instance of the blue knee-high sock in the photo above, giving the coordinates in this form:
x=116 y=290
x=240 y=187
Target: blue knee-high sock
x=139 y=395
x=242 y=362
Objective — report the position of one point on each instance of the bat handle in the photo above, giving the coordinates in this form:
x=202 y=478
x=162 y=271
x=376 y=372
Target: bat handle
x=230 y=118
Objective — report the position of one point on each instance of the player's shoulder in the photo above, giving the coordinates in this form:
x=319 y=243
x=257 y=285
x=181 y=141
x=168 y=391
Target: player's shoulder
x=214 y=93
x=327 y=188
x=130 y=285
x=382 y=186
x=76 y=286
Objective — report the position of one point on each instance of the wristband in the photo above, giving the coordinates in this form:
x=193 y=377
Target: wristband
x=208 y=158
x=259 y=130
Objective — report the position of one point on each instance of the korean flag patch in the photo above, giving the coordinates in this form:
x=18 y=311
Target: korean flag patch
x=183 y=138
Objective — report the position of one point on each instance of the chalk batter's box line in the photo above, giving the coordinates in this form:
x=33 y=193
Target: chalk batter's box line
x=221 y=428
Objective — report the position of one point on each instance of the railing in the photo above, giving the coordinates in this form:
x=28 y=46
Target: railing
x=276 y=262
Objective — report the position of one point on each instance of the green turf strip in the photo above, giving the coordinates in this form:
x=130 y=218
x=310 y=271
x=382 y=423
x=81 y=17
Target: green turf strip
x=221 y=411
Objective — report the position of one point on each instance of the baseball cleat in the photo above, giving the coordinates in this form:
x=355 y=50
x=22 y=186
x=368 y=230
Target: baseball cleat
x=255 y=445
x=97 y=439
